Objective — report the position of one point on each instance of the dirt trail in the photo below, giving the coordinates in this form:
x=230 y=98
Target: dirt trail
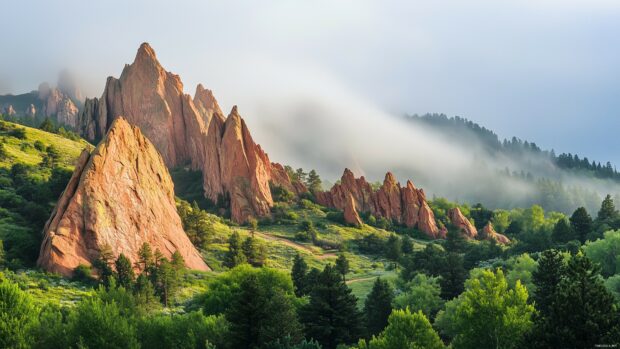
x=361 y=279
x=294 y=245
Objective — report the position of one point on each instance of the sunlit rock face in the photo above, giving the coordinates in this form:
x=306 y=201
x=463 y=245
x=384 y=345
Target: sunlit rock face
x=119 y=196
x=404 y=205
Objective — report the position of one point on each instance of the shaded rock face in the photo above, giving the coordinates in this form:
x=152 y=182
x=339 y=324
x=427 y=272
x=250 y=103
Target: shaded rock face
x=280 y=177
x=461 y=222
x=120 y=196
x=403 y=205
x=151 y=98
x=56 y=103
x=238 y=168
x=489 y=233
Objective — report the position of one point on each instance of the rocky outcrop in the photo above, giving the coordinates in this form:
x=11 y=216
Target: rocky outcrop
x=280 y=177
x=351 y=215
x=31 y=111
x=403 y=205
x=489 y=233
x=119 y=196
x=243 y=171
x=9 y=110
x=460 y=222
x=56 y=103
x=186 y=131
x=151 y=98
x=206 y=104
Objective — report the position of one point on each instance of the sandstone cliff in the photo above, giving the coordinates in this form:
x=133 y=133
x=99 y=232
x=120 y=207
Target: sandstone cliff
x=403 y=205
x=489 y=233
x=238 y=168
x=186 y=131
x=121 y=195
x=460 y=222
x=151 y=98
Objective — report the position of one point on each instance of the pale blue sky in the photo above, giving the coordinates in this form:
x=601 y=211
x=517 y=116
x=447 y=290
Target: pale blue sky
x=545 y=70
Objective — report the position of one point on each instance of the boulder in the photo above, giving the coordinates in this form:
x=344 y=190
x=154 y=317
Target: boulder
x=489 y=233
x=119 y=196
x=464 y=226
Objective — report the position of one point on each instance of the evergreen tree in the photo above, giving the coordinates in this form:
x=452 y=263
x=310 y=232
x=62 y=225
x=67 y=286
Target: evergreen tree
x=254 y=252
x=342 y=266
x=257 y=317
x=18 y=316
x=546 y=278
x=393 y=248
x=145 y=258
x=166 y=280
x=300 y=175
x=407 y=245
x=453 y=275
x=145 y=292
x=331 y=317
x=234 y=256
x=378 y=307
x=314 y=182
x=581 y=222
x=582 y=313
x=562 y=231
x=608 y=210
x=124 y=272
x=103 y=265
x=298 y=275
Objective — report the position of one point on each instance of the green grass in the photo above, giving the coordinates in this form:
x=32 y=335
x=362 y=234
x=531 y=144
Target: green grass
x=23 y=150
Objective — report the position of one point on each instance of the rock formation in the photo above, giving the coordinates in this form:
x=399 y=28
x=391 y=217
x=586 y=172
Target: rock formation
x=489 y=233
x=31 y=112
x=55 y=103
x=186 y=131
x=460 y=222
x=10 y=111
x=238 y=168
x=119 y=196
x=280 y=177
x=351 y=215
x=403 y=205
x=151 y=98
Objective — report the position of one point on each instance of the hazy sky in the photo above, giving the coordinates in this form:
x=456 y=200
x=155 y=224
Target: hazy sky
x=545 y=70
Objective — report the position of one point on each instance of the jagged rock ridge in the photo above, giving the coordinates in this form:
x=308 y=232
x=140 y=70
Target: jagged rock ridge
x=405 y=205
x=121 y=196
x=188 y=131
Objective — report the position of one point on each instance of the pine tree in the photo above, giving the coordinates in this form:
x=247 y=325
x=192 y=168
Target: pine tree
x=144 y=291
x=342 y=266
x=124 y=272
x=298 y=275
x=103 y=265
x=582 y=313
x=331 y=317
x=547 y=277
x=562 y=231
x=608 y=210
x=257 y=317
x=378 y=307
x=166 y=280
x=234 y=256
x=581 y=222
x=145 y=258
x=254 y=251
x=300 y=175
x=453 y=275
x=393 y=248
x=314 y=182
